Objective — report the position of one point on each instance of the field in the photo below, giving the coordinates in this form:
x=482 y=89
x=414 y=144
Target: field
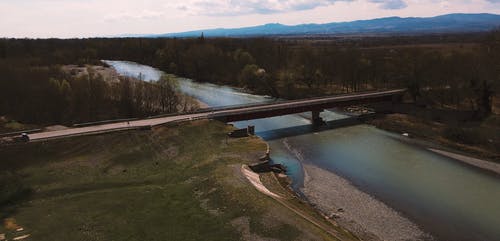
x=171 y=183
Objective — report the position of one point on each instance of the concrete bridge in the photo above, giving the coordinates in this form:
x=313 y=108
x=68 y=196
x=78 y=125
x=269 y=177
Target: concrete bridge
x=315 y=105
x=230 y=114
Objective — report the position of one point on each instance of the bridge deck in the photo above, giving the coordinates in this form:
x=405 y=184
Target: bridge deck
x=254 y=111
x=299 y=106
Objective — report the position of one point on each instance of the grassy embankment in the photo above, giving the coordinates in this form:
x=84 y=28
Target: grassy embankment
x=172 y=183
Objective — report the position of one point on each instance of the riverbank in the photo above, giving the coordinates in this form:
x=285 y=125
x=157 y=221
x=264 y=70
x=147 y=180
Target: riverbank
x=432 y=136
x=201 y=104
x=486 y=165
x=355 y=210
x=480 y=139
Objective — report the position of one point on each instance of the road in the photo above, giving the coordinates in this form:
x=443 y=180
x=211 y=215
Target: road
x=296 y=104
x=113 y=126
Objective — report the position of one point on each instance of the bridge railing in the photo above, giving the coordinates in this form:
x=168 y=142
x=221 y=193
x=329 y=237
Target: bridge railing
x=263 y=103
x=279 y=101
x=325 y=99
x=103 y=122
x=218 y=108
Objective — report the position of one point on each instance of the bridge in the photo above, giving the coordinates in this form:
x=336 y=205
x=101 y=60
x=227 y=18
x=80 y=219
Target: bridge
x=235 y=113
x=315 y=105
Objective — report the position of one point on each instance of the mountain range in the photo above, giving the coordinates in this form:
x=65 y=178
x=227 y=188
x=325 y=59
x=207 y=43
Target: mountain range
x=450 y=23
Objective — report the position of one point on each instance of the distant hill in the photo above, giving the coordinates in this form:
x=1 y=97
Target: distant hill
x=451 y=23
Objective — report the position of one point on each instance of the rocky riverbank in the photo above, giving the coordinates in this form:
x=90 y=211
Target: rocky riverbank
x=362 y=214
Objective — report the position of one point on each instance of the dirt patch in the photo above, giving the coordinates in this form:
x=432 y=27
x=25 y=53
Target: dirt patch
x=115 y=169
x=254 y=178
x=242 y=224
x=10 y=224
x=201 y=104
x=55 y=128
x=171 y=152
x=107 y=73
x=204 y=203
x=82 y=161
x=199 y=123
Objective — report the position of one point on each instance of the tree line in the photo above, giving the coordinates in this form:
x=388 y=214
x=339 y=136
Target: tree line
x=50 y=95
x=459 y=72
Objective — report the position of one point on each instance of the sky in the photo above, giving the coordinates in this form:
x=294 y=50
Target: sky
x=97 y=18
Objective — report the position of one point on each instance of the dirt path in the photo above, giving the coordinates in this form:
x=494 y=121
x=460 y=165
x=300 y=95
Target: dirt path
x=254 y=179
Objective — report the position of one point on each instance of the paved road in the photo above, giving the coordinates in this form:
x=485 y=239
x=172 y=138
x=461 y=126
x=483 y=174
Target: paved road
x=113 y=126
x=207 y=114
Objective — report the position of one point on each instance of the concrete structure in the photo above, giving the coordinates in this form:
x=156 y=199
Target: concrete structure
x=315 y=105
x=231 y=114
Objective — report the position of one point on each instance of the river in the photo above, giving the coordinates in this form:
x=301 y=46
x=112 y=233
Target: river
x=444 y=197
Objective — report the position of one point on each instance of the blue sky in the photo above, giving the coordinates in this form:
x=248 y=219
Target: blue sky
x=91 y=18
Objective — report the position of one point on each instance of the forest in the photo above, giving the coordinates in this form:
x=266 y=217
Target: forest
x=457 y=72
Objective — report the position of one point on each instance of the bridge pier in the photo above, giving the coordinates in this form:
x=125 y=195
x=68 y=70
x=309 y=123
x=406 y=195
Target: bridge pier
x=316 y=119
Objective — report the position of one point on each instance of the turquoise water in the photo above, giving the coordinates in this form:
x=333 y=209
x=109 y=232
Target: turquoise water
x=443 y=196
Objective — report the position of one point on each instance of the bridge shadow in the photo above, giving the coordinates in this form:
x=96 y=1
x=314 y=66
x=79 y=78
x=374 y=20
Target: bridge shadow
x=306 y=129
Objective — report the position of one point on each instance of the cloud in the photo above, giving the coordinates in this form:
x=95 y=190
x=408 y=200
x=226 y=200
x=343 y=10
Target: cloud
x=245 y=7
x=141 y=15
x=84 y=18
x=392 y=4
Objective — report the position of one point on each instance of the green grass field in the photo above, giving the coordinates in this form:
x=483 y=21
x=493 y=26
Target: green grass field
x=172 y=183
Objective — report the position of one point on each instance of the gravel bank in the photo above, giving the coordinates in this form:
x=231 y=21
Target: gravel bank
x=355 y=210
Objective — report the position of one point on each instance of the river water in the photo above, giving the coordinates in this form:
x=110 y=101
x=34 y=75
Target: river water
x=443 y=196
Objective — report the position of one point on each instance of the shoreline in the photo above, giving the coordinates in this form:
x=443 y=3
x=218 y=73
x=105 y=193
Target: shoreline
x=428 y=135
x=456 y=155
x=472 y=161
x=201 y=104
x=357 y=211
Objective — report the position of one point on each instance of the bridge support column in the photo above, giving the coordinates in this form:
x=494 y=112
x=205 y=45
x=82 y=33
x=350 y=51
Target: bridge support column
x=316 y=119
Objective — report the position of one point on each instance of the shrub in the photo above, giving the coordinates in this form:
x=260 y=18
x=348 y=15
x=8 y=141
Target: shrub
x=462 y=135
